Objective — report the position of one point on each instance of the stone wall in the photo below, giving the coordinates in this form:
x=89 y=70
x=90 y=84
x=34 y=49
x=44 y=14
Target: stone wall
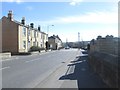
x=106 y=66
x=109 y=45
x=103 y=58
x=5 y=55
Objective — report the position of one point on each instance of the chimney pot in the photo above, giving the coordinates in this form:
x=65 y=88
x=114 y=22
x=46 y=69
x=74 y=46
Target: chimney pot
x=23 y=20
x=39 y=28
x=32 y=25
x=10 y=15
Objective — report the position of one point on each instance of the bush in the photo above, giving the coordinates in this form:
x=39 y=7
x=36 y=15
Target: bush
x=42 y=48
x=36 y=48
x=21 y=53
x=60 y=48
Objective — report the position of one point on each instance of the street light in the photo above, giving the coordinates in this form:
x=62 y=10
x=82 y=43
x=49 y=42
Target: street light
x=48 y=29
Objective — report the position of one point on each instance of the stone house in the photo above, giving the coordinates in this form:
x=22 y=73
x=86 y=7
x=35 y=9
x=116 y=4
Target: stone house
x=17 y=37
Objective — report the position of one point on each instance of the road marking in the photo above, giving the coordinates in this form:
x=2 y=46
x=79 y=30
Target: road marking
x=32 y=60
x=4 y=68
x=9 y=59
x=84 y=60
x=83 y=69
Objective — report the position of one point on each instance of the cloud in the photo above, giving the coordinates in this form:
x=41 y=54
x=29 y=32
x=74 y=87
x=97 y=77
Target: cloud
x=17 y=1
x=75 y=2
x=102 y=17
x=71 y=2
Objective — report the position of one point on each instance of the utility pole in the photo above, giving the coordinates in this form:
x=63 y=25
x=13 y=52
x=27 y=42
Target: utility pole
x=78 y=39
x=78 y=36
x=48 y=29
x=66 y=42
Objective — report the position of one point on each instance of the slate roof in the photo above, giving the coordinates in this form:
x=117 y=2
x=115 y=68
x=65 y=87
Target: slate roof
x=54 y=37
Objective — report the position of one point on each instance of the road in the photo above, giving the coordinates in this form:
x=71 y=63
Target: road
x=33 y=70
x=56 y=69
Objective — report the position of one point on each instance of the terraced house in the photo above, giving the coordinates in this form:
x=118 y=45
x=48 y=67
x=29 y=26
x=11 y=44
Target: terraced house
x=55 y=42
x=18 y=37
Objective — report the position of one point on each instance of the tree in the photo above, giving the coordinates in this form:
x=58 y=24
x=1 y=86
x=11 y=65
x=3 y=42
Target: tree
x=47 y=45
x=88 y=47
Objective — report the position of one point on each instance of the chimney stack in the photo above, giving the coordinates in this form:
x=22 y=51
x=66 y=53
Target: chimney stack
x=10 y=15
x=32 y=25
x=39 y=28
x=23 y=20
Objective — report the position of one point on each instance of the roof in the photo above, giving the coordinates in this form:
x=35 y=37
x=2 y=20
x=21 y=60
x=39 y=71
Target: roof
x=19 y=23
x=54 y=37
x=44 y=33
x=51 y=37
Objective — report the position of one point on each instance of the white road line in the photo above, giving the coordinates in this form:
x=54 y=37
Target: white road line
x=32 y=60
x=9 y=59
x=39 y=58
x=49 y=56
x=4 y=68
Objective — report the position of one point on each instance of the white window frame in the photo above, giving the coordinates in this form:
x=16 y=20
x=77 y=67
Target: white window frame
x=24 y=44
x=24 y=31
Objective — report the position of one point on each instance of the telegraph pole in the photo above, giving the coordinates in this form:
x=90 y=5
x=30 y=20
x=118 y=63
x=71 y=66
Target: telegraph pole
x=78 y=39
x=66 y=42
x=78 y=36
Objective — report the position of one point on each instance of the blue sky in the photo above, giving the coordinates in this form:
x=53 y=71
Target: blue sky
x=89 y=18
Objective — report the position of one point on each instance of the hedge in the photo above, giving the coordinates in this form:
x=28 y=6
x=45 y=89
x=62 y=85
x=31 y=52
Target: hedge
x=36 y=48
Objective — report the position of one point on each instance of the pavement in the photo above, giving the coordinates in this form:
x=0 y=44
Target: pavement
x=53 y=80
x=14 y=57
x=75 y=73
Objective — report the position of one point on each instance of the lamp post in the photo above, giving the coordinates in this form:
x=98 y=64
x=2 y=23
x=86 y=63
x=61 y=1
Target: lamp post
x=48 y=29
x=47 y=44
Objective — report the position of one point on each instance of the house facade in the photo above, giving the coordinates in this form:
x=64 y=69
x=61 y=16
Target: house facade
x=55 y=42
x=0 y=36
x=18 y=37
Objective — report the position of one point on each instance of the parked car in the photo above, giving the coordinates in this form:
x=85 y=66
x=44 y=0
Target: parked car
x=67 y=47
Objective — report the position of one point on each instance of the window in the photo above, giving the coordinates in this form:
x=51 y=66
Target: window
x=24 y=31
x=51 y=45
x=37 y=34
x=34 y=44
x=24 y=44
x=41 y=45
x=34 y=33
x=41 y=36
x=28 y=32
x=28 y=43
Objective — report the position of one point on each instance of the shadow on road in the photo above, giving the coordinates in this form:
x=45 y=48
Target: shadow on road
x=79 y=70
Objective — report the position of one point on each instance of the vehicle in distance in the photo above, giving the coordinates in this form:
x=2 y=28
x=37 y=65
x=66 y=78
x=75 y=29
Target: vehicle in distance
x=67 y=47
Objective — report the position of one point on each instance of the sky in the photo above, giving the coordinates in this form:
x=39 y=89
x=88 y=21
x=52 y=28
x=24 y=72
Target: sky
x=89 y=18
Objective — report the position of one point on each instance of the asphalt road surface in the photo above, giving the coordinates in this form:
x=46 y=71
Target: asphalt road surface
x=31 y=71
x=67 y=68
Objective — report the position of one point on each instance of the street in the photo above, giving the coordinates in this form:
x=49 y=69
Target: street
x=29 y=71
x=72 y=44
x=55 y=69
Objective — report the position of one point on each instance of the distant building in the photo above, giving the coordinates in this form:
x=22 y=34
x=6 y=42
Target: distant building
x=44 y=39
x=82 y=44
x=18 y=37
x=55 y=42
x=36 y=37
